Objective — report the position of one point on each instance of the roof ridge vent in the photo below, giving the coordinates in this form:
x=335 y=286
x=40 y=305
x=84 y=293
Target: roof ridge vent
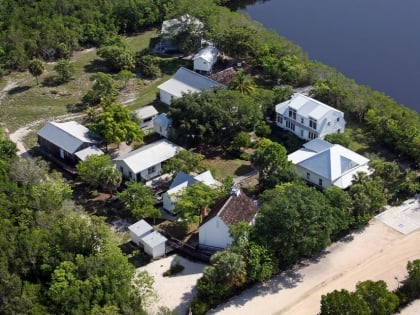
x=235 y=191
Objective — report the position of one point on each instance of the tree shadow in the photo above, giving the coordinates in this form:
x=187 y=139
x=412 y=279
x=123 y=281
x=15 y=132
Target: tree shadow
x=243 y=170
x=76 y=108
x=97 y=65
x=51 y=81
x=19 y=89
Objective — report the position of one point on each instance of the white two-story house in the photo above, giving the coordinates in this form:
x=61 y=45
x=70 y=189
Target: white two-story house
x=308 y=118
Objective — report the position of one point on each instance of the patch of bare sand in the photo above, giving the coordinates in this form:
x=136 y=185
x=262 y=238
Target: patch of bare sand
x=376 y=253
x=175 y=292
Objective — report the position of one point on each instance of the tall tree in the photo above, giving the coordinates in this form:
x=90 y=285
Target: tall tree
x=140 y=199
x=377 y=297
x=295 y=220
x=65 y=70
x=193 y=199
x=243 y=83
x=36 y=67
x=186 y=161
x=343 y=303
x=270 y=159
x=104 y=88
x=116 y=124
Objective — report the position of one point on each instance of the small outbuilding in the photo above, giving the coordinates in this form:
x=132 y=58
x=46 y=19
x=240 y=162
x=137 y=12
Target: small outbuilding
x=205 y=59
x=146 y=115
x=139 y=230
x=154 y=244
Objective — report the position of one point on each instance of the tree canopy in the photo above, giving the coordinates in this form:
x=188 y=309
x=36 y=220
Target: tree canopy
x=295 y=220
x=116 y=124
x=213 y=117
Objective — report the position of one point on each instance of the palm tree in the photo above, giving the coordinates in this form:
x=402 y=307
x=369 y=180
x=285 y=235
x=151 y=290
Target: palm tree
x=243 y=83
x=36 y=67
x=110 y=178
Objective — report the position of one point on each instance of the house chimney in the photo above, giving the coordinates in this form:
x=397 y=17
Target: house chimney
x=203 y=214
x=235 y=191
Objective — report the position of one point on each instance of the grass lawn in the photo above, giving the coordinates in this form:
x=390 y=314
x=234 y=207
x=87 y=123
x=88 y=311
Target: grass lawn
x=223 y=168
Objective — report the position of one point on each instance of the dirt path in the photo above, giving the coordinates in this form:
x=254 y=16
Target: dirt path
x=377 y=253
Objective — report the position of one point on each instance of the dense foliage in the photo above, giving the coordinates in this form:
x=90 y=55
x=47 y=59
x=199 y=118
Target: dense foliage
x=213 y=117
x=54 y=258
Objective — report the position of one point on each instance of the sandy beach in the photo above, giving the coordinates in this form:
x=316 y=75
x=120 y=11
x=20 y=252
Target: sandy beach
x=377 y=252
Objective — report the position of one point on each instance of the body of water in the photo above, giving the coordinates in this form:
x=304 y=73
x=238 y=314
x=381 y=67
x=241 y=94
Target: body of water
x=374 y=42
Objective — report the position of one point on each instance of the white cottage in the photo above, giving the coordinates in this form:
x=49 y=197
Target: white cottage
x=237 y=207
x=308 y=118
x=145 y=163
x=324 y=164
x=139 y=230
x=205 y=59
x=182 y=181
x=154 y=244
x=146 y=115
x=183 y=82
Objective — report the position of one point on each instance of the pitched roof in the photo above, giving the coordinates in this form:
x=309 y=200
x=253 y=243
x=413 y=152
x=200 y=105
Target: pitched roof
x=162 y=120
x=140 y=228
x=331 y=161
x=233 y=209
x=187 y=81
x=153 y=239
x=149 y=155
x=306 y=106
x=92 y=150
x=224 y=76
x=146 y=112
x=183 y=180
x=67 y=135
x=208 y=53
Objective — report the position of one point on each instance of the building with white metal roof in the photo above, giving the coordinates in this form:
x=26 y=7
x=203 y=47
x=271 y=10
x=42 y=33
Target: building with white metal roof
x=139 y=230
x=146 y=115
x=324 y=164
x=64 y=140
x=154 y=244
x=183 y=82
x=308 y=118
x=146 y=162
x=205 y=59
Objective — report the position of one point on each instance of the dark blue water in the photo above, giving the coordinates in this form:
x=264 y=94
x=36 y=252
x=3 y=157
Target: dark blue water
x=374 y=42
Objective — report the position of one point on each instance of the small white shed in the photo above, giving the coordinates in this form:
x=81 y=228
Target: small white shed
x=146 y=115
x=154 y=244
x=139 y=230
x=205 y=59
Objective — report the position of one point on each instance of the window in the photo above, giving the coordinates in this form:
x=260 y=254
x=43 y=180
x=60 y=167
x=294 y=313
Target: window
x=329 y=123
x=290 y=125
x=339 y=130
x=302 y=120
x=312 y=123
x=312 y=135
x=151 y=170
x=279 y=119
x=308 y=176
x=301 y=132
x=338 y=118
x=129 y=174
x=292 y=113
x=320 y=182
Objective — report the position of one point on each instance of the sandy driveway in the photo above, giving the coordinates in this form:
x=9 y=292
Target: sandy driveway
x=378 y=253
